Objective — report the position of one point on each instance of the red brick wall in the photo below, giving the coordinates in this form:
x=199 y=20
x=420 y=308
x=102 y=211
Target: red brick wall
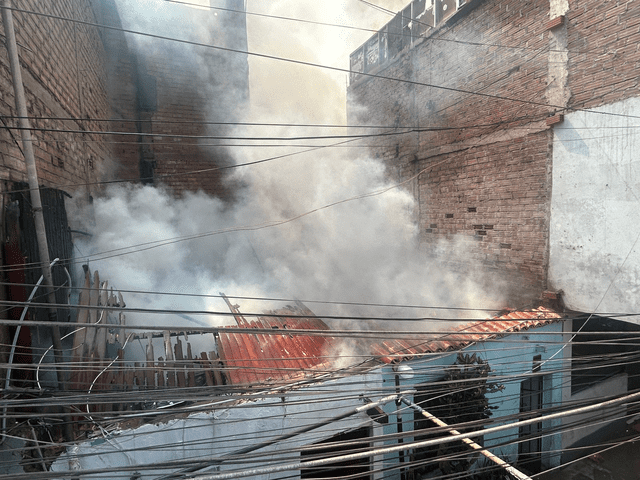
x=88 y=75
x=496 y=196
x=183 y=107
x=64 y=76
x=475 y=151
x=604 y=53
x=195 y=86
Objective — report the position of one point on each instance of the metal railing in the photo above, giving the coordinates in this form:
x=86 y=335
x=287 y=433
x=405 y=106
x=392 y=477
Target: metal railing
x=412 y=22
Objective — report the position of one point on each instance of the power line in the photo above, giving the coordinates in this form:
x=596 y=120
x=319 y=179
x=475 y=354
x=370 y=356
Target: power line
x=378 y=7
x=274 y=299
x=316 y=65
x=253 y=457
x=162 y=121
x=269 y=224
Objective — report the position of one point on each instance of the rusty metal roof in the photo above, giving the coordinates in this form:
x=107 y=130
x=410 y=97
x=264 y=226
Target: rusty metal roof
x=263 y=359
x=393 y=351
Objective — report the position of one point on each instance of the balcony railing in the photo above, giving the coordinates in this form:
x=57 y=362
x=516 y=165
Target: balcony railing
x=412 y=22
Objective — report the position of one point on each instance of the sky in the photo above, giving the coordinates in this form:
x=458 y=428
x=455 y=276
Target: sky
x=317 y=95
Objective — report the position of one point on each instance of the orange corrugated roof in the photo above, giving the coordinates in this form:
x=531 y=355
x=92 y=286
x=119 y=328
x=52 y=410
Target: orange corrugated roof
x=466 y=334
x=261 y=358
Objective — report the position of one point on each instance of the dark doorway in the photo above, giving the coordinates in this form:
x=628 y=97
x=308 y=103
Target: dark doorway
x=530 y=446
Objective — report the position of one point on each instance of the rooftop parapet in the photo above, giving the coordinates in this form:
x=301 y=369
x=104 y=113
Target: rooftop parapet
x=416 y=19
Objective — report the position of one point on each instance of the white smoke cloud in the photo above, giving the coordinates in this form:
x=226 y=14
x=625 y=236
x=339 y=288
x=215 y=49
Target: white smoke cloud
x=364 y=250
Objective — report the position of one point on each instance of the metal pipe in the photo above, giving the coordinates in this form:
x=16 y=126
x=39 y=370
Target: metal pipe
x=424 y=443
x=513 y=471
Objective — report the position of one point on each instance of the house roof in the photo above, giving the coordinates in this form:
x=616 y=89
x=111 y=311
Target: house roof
x=395 y=350
x=264 y=358
x=259 y=358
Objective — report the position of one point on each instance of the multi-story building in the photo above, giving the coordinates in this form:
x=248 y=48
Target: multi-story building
x=516 y=125
x=112 y=99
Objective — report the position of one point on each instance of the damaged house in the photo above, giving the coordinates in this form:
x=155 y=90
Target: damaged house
x=503 y=113
x=269 y=400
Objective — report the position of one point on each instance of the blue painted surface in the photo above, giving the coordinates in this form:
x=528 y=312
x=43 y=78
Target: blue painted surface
x=509 y=358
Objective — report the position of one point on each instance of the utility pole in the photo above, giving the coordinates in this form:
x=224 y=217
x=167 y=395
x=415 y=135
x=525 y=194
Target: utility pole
x=34 y=189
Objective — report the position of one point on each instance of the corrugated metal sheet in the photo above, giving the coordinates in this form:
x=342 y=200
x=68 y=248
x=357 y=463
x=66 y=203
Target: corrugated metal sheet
x=259 y=358
x=392 y=351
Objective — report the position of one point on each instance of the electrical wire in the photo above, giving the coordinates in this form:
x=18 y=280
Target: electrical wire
x=316 y=65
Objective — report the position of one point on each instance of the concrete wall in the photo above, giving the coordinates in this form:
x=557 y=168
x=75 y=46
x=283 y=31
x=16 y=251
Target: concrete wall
x=511 y=360
x=595 y=209
x=229 y=427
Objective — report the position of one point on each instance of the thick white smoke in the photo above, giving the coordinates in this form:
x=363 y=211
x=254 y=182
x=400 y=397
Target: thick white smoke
x=361 y=250
x=364 y=250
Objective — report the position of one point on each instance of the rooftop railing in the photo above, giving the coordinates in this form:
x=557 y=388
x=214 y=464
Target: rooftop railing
x=411 y=23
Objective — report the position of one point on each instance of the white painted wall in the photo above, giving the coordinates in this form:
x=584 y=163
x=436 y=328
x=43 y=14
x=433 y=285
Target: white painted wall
x=229 y=428
x=595 y=209
x=616 y=385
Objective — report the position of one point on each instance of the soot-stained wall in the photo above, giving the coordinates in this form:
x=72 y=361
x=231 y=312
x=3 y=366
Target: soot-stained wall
x=82 y=81
x=476 y=151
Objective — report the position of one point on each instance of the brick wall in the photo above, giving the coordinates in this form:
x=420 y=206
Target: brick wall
x=195 y=88
x=478 y=165
x=604 y=51
x=65 y=83
x=496 y=197
x=82 y=78
x=186 y=107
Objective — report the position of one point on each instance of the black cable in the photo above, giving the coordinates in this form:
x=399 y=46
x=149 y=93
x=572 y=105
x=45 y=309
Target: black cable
x=316 y=65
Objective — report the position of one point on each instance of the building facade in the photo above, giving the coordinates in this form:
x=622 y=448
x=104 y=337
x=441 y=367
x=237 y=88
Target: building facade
x=515 y=124
x=106 y=105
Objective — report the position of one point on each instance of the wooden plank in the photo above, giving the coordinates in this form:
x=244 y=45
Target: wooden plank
x=100 y=341
x=128 y=379
x=217 y=374
x=93 y=316
x=149 y=372
x=170 y=364
x=108 y=386
x=138 y=375
x=118 y=380
x=119 y=377
x=80 y=335
x=207 y=369
x=161 y=372
x=191 y=374
x=180 y=376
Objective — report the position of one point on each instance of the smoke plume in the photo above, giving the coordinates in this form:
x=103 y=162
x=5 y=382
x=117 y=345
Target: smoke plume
x=318 y=226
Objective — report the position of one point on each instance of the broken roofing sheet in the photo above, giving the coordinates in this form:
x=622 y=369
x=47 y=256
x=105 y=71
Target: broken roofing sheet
x=261 y=357
x=267 y=358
